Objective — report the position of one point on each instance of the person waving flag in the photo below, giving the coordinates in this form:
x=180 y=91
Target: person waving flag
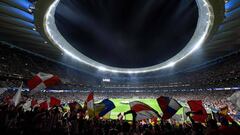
x=89 y=103
x=104 y=107
x=198 y=111
x=142 y=111
x=169 y=106
x=42 y=81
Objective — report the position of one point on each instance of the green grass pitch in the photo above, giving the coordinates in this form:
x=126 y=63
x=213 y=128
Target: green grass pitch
x=123 y=107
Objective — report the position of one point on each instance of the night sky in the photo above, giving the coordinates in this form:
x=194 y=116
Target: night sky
x=127 y=33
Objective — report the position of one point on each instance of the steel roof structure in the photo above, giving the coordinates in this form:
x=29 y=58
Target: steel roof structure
x=23 y=26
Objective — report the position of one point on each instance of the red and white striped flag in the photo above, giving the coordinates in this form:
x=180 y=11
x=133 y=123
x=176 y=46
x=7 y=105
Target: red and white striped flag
x=43 y=106
x=42 y=81
x=90 y=105
x=54 y=102
x=143 y=111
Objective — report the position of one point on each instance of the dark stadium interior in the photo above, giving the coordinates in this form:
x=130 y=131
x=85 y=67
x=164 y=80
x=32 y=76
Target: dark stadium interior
x=45 y=91
x=147 y=32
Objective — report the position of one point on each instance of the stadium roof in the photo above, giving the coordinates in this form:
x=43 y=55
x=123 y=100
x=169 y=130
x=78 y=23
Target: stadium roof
x=20 y=27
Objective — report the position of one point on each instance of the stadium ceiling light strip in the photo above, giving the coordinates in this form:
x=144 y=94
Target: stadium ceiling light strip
x=203 y=29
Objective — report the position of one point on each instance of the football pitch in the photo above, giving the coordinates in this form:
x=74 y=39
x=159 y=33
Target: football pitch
x=122 y=105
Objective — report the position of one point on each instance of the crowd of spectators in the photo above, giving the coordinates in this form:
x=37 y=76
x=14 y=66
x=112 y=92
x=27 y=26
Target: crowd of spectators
x=17 y=66
x=224 y=73
x=57 y=121
x=211 y=99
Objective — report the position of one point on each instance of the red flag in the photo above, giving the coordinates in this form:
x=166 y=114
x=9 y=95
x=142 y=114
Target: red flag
x=43 y=106
x=199 y=112
x=42 y=81
x=54 y=102
x=90 y=97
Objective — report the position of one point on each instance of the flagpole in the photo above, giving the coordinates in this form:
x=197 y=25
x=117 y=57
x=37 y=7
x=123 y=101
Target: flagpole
x=17 y=96
x=21 y=85
x=183 y=114
x=94 y=113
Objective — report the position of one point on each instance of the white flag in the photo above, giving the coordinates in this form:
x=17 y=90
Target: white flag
x=2 y=90
x=235 y=99
x=17 y=96
x=27 y=105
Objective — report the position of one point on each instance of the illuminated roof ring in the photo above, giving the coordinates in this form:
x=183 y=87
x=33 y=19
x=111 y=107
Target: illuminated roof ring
x=203 y=29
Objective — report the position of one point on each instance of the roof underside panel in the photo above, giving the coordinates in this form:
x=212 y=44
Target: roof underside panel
x=20 y=4
x=16 y=21
x=17 y=27
x=15 y=12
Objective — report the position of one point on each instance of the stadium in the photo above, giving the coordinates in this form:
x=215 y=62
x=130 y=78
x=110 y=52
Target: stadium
x=120 y=67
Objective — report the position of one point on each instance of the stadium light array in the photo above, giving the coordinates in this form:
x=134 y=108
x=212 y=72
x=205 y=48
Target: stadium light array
x=203 y=29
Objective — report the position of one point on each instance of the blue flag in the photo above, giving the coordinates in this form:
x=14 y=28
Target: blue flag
x=104 y=107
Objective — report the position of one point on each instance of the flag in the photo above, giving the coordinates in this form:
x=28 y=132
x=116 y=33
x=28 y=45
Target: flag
x=17 y=96
x=143 y=111
x=104 y=107
x=224 y=111
x=185 y=109
x=235 y=100
x=107 y=116
x=120 y=116
x=42 y=81
x=27 y=105
x=169 y=106
x=43 y=106
x=90 y=105
x=198 y=111
x=2 y=90
x=54 y=102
